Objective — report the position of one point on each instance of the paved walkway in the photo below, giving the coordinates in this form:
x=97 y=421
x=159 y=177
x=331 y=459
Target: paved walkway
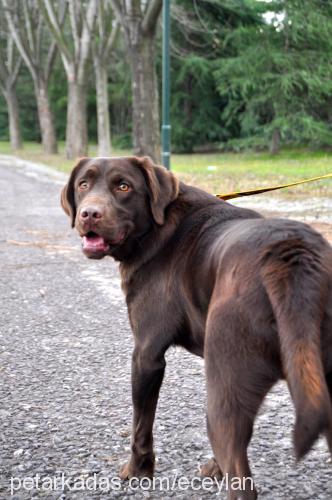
x=65 y=347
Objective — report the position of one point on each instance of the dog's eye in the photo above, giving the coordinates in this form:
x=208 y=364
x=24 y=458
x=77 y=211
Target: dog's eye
x=123 y=186
x=83 y=185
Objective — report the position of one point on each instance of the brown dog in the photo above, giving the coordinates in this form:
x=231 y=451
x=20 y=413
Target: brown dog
x=251 y=295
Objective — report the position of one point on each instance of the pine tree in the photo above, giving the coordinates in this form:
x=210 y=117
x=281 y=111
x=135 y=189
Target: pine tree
x=278 y=78
x=198 y=30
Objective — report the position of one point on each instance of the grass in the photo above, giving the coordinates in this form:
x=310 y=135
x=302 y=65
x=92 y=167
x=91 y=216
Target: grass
x=240 y=171
x=223 y=172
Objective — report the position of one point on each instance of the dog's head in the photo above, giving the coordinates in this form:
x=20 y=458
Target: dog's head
x=113 y=201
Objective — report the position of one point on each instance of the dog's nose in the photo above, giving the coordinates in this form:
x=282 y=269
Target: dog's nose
x=91 y=214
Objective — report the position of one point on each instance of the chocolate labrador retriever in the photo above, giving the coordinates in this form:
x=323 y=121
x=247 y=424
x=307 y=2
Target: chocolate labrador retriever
x=251 y=295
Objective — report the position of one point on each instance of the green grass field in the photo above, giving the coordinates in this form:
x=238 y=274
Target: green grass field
x=223 y=172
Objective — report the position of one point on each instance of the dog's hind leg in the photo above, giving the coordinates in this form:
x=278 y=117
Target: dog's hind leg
x=238 y=379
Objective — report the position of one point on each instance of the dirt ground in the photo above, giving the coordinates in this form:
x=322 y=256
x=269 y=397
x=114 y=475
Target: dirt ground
x=316 y=211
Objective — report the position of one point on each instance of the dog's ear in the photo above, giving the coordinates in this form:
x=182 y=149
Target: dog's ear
x=68 y=194
x=163 y=187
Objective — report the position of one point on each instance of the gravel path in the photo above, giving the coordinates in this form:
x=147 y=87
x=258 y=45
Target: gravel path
x=65 y=348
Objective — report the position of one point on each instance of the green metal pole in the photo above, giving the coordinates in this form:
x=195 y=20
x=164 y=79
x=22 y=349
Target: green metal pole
x=166 y=127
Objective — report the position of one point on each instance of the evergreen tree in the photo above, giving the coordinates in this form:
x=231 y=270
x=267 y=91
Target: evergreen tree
x=278 y=77
x=198 y=30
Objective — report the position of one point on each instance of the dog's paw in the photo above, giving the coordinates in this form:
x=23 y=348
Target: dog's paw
x=125 y=471
x=128 y=471
x=211 y=469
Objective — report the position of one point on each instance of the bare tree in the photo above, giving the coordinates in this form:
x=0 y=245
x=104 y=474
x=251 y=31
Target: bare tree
x=104 y=38
x=10 y=62
x=139 y=21
x=32 y=39
x=74 y=45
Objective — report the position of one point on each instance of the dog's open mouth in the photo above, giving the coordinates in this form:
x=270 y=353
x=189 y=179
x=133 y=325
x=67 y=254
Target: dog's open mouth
x=93 y=243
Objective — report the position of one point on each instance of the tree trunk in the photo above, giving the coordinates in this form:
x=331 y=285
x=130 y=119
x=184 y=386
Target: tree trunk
x=146 y=124
x=275 y=142
x=103 y=117
x=13 y=117
x=76 y=131
x=45 y=116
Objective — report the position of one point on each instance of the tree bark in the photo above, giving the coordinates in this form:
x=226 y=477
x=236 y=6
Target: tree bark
x=146 y=125
x=21 y=17
x=275 y=142
x=103 y=116
x=74 y=50
x=13 y=118
x=76 y=131
x=45 y=116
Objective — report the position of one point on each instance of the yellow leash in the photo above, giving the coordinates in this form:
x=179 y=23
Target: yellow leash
x=237 y=194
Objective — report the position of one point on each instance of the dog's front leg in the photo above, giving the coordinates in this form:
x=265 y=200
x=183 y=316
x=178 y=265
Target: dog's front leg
x=148 y=369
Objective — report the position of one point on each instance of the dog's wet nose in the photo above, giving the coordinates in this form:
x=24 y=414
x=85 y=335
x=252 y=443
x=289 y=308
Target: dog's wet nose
x=91 y=214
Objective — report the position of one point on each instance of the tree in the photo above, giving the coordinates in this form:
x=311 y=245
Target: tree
x=10 y=62
x=105 y=33
x=277 y=77
x=138 y=19
x=38 y=52
x=74 y=45
x=199 y=29
x=195 y=43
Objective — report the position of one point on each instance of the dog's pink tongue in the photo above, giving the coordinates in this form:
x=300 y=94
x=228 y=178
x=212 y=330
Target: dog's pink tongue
x=94 y=244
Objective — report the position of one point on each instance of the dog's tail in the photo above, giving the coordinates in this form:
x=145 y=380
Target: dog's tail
x=297 y=285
